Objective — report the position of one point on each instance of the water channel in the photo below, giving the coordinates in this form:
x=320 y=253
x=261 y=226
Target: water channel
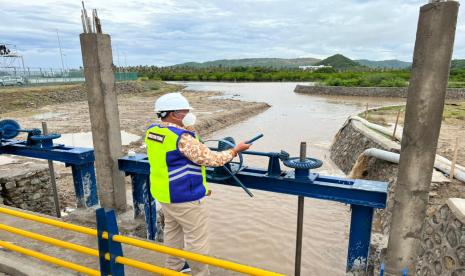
x=260 y=231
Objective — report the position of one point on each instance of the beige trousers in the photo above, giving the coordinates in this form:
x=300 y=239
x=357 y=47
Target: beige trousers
x=186 y=228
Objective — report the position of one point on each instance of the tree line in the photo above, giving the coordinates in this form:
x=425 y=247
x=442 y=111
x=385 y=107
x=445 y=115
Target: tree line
x=325 y=76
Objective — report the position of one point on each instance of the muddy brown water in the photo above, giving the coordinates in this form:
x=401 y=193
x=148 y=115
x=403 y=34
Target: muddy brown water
x=260 y=231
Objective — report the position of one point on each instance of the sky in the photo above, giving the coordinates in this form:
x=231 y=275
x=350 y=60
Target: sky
x=166 y=32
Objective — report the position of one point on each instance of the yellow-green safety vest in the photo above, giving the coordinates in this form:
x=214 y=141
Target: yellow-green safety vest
x=173 y=177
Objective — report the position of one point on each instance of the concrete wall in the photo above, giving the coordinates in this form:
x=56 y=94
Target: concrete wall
x=443 y=241
x=392 y=92
x=26 y=186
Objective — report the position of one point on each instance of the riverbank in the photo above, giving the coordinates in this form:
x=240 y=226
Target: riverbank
x=30 y=98
x=453 y=126
x=386 y=92
x=135 y=103
x=349 y=152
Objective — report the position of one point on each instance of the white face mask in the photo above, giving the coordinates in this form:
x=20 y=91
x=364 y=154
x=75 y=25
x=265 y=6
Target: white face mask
x=189 y=120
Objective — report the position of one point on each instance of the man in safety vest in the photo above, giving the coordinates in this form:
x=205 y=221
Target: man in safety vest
x=178 y=178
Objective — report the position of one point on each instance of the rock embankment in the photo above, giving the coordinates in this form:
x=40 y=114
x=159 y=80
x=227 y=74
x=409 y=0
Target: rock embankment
x=349 y=143
x=388 y=92
x=441 y=230
x=442 y=250
x=26 y=185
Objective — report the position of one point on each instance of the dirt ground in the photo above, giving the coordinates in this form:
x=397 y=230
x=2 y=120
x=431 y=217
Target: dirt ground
x=453 y=127
x=135 y=105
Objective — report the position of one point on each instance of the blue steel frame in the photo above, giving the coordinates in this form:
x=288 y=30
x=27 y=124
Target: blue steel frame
x=382 y=270
x=81 y=161
x=363 y=195
x=106 y=222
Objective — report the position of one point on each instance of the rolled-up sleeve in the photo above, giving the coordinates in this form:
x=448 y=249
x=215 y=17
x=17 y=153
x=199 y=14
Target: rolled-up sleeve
x=200 y=154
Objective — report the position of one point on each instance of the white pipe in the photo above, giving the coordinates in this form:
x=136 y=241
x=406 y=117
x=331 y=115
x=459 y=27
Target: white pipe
x=376 y=127
x=393 y=157
x=441 y=163
x=382 y=154
x=445 y=165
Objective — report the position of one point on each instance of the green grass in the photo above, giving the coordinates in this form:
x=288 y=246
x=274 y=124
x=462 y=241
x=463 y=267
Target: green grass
x=149 y=84
x=452 y=111
x=456 y=84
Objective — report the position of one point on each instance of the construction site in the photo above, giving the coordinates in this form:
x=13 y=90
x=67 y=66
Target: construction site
x=334 y=183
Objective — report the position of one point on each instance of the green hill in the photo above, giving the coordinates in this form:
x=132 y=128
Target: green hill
x=458 y=64
x=389 y=64
x=340 y=62
x=250 y=62
x=337 y=61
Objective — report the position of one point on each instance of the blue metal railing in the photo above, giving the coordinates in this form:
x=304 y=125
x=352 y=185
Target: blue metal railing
x=382 y=269
x=363 y=196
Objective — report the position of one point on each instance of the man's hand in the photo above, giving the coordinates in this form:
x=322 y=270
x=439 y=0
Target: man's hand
x=242 y=146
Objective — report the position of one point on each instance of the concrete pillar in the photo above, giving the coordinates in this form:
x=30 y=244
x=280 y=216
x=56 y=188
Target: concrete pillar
x=104 y=117
x=425 y=105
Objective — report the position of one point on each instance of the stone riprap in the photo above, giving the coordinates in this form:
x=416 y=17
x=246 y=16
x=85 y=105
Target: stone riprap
x=388 y=92
x=27 y=185
x=349 y=143
x=443 y=241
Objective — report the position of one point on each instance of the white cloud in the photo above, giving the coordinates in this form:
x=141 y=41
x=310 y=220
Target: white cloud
x=164 y=32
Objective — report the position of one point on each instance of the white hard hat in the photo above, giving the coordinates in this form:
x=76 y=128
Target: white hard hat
x=171 y=102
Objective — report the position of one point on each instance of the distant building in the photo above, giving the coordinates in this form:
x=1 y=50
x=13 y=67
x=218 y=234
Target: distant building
x=313 y=67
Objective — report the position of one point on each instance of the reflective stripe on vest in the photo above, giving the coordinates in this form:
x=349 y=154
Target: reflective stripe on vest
x=173 y=177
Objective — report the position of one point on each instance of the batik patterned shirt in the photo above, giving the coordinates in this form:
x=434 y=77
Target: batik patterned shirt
x=199 y=153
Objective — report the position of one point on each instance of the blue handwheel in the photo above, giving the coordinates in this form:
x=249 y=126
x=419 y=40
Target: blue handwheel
x=45 y=137
x=10 y=128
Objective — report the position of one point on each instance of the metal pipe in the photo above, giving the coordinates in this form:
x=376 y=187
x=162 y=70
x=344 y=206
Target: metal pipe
x=191 y=256
x=303 y=151
x=298 y=246
x=144 y=266
x=258 y=153
x=49 y=240
x=254 y=139
x=52 y=222
x=300 y=218
x=238 y=181
x=144 y=244
x=89 y=251
x=49 y=259
x=52 y=177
